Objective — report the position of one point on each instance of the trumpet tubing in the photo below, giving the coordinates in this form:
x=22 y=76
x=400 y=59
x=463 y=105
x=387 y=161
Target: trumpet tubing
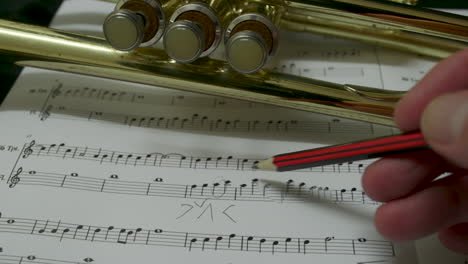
x=250 y=30
x=46 y=48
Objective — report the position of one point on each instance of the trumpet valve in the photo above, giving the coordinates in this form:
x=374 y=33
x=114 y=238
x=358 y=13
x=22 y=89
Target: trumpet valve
x=134 y=23
x=194 y=32
x=251 y=40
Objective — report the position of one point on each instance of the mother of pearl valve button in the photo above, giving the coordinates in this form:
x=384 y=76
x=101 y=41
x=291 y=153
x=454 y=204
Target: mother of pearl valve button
x=246 y=52
x=184 y=41
x=124 y=30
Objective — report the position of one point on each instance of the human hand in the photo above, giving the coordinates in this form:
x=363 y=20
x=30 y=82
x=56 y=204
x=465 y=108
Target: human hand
x=414 y=204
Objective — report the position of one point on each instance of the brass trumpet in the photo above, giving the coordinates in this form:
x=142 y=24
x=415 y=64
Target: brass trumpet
x=390 y=24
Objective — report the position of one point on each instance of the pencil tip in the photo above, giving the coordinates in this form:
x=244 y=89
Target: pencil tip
x=266 y=165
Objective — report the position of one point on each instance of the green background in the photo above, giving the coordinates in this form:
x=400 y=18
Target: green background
x=41 y=13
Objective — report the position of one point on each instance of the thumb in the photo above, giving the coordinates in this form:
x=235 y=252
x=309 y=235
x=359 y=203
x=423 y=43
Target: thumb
x=444 y=124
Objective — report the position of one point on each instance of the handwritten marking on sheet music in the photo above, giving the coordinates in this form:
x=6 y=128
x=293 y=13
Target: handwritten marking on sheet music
x=170 y=160
x=198 y=241
x=196 y=211
x=287 y=192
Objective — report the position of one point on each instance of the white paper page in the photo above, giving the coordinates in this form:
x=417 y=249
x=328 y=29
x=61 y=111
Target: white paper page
x=69 y=171
x=109 y=172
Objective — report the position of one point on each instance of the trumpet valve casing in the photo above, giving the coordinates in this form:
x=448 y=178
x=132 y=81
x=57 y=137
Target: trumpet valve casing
x=251 y=40
x=194 y=31
x=134 y=23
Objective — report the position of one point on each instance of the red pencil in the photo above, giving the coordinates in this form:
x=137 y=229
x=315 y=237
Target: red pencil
x=361 y=150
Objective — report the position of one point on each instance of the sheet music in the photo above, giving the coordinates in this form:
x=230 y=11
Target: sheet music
x=100 y=171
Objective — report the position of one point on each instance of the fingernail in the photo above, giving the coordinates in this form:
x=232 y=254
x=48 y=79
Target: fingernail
x=445 y=118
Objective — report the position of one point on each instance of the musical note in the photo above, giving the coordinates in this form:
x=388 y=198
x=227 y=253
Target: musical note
x=249 y=238
x=96 y=231
x=327 y=241
x=275 y=243
x=219 y=238
x=126 y=235
x=288 y=186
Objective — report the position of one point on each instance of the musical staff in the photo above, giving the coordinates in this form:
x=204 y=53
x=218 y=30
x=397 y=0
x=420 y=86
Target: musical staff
x=168 y=160
x=178 y=100
x=385 y=261
x=31 y=259
x=321 y=72
x=205 y=123
x=197 y=241
x=226 y=190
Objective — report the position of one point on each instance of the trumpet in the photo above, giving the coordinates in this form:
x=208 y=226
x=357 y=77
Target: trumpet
x=397 y=25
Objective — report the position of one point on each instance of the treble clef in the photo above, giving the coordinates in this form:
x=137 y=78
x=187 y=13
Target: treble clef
x=28 y=150
x=15 y=179
x=45 y=114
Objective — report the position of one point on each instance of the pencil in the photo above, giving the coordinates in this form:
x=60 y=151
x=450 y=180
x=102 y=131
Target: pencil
x=367 y=149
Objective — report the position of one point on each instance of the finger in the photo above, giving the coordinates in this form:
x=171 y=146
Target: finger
x=398 y=175
x=447 y=76
x=444 y=125
x=439 y=206
x=455 y=238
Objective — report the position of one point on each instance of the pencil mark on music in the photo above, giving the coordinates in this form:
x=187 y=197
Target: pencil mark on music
x=225 y=212
x=189 y=208
x=159 y=237
x=277 y=192
x=209 y=209
x=206 y=209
